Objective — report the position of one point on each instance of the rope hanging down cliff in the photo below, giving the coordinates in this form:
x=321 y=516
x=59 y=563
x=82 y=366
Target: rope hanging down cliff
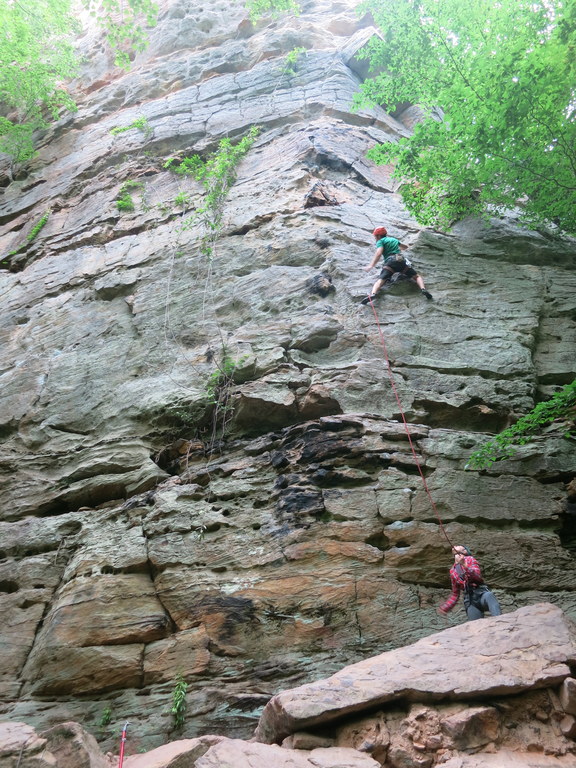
x=393 y=385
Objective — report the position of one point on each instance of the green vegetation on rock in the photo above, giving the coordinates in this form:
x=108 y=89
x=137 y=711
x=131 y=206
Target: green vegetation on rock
x=217 y=174
x=37 y=227
x=124 y=201
x=259 y=8
x=106 y=717
x=37 y=55
x=561 y=405
x=140 y=123
x=292 y=60
x=495 y=80
x=178 y=708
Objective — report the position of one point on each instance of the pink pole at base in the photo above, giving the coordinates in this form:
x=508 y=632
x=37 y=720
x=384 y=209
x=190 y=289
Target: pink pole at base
x=122 y=743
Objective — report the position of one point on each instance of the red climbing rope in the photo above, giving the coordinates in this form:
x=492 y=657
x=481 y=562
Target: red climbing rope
x=391 y=377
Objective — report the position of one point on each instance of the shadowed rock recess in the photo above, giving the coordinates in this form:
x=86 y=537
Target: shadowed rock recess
x=203 y=466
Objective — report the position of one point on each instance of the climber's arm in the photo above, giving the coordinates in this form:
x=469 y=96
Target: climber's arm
x=375 y=259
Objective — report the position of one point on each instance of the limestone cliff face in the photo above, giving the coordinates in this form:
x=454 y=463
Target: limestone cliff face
x=137 y=542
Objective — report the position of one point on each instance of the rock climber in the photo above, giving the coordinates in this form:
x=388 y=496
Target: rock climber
x=465 y=576
x=389 y=248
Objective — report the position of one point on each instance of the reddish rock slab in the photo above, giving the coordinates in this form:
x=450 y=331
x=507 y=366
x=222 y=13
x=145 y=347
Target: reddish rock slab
x=219 y=752
x=73 y=747
x=66 y=745
x=530 y=648
x=176 y=754
x=21 y=747
x=511 y=760
x=234 y=753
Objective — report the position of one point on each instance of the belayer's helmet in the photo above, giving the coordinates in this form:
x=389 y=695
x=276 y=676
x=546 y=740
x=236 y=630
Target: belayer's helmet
x=380 y=232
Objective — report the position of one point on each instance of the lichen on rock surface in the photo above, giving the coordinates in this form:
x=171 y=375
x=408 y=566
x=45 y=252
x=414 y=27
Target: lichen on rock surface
x=204 y=468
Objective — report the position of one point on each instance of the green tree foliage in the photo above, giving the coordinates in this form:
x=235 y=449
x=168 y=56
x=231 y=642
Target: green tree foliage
x=562 y=405
x=36 y=55
x=125 y=23
x=502 y=73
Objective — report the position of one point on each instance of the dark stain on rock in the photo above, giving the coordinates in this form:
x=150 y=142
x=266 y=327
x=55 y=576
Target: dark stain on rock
x=297 y=503
x=567 y=530
x=231 y=612
x=320 y=193
x=321 y=285
x=321 y=446
x=278 y=459
x=8 y=587
x=379 y=541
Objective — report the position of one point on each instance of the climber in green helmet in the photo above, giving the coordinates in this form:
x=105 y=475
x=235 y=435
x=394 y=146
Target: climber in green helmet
x=389 y=248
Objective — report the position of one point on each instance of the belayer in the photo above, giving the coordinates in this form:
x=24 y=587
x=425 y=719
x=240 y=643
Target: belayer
x=466 y=577
x=389 y=248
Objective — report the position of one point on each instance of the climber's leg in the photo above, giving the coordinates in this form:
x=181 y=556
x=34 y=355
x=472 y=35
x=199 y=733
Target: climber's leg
x=473 y=612
x=490 y=603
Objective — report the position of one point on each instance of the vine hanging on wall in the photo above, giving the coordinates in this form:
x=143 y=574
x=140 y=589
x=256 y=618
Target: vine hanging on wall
x=562 y=405
x=217 y=174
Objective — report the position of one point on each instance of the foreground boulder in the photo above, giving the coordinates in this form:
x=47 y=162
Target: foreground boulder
x=505 y=655
x=215 y=752
x=511 y=760
x=487 y=694
x=66 y=745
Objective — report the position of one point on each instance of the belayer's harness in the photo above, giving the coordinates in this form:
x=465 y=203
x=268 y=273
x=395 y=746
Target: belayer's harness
x=473 y=590
x=474 y=594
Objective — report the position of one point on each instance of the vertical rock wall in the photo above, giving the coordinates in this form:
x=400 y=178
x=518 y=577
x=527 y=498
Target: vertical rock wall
x=136 y=542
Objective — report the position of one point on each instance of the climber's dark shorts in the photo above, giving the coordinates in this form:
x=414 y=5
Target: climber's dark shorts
x=392 y=265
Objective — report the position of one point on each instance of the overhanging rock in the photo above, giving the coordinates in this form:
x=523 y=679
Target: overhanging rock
x=530 y=648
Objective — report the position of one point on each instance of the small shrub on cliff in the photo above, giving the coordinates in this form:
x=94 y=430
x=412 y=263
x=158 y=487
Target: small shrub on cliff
x=140 y=123
x=32 y=235
x=124 y=201
x=221 y=378
x=37 y=227
x=259 y=8
x=292 y=60
x=182 y=199
x=178 y=708
x=219 y=389
x=561 y=405
x=106 y=717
